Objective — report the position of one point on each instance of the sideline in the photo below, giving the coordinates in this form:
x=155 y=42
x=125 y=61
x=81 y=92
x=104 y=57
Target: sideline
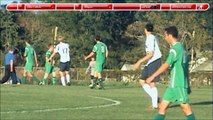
x=114 y=103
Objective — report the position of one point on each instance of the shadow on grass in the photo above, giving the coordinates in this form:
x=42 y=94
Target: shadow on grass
x=197 y=103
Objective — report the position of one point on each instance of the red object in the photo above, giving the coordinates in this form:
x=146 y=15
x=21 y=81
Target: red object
x=11 y=7
x=165 y=6
x=183 y=6
x=45 y=6
x=126 y=6
x=97 y=6
x=78 y=6
x=65 y=6
x=21 y=6
x=151 y=6
x=203 y=6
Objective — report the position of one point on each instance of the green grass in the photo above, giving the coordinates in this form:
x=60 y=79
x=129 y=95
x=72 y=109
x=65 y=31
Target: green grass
x=79 y=102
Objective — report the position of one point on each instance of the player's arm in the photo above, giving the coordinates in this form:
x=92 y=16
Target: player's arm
x=148 y=56
x=162 y=68
x=53 y=54
x=11 y=65
x=36 y=60
x=89 y=56
x=107 y=53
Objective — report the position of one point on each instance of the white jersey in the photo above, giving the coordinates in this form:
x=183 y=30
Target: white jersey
x=152 y=45
x=64 y=52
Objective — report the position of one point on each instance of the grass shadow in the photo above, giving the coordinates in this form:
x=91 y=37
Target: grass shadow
x=196 y=103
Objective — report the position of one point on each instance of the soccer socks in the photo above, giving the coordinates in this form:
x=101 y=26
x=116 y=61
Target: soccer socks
x=54 y=80
x=68 y=78
x=24 y=80
x=100 y=81
x=147 y=89
x=63 y=81
x=154 y=96
x=190 y=117
x=44 y=81
x=159 y=117
x=35 y=79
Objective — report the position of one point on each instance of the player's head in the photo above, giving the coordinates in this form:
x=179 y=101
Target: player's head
x=148 y=28
x=97 y=38
x=92 y=59
x=171 y=33
x=27 y=41
x=61 y=39
x=11 y=50
x=50 y=47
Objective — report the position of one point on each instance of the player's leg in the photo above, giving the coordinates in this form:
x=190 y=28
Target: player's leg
x=29 y=69
x=6 y=74
x=24 y=77
x=67 y=68
x=54 y=79
x=13 y=76
x=182 y=98
x=44 y=80
x=152 y=67
x=62 y=67
x=162 y=110
x=99 y=70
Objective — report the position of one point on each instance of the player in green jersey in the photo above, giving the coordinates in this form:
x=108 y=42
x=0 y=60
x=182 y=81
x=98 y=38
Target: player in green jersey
x=49 y=68
x=101 y=51
x=177 y=90
x=30 y=55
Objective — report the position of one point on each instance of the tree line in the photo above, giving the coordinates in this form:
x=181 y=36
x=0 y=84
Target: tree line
x=122 y=31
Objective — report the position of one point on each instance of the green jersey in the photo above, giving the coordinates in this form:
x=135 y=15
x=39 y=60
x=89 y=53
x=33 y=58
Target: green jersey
x=178 y=69
x=48 y=54
x=29 y=54
x=100 y=49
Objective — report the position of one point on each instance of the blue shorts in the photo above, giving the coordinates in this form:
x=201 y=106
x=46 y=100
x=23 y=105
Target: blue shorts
x=150 y=69
x=64 y=66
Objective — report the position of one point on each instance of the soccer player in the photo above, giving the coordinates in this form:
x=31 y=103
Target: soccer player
x=30 y=56
x=91 y=68
x=49 y=68
x=64 y=51
x=178 y=85
x=101 y=51
x=9 y=67
x=153 y=62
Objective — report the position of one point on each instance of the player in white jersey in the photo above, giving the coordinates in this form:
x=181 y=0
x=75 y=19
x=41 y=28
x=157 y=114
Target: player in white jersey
x=64 y=66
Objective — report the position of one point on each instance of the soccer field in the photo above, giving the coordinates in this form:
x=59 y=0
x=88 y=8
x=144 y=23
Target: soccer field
x=33 y=102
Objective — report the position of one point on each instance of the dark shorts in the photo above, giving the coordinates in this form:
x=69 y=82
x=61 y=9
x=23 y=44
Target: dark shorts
x=150 y=69
x=64 y=66
x=92 y=77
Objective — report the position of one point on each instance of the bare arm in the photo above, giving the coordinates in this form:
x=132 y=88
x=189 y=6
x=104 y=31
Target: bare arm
x=52 y=56
x=11 y=65
x=143 y=59
x=36 y=60
x=88 y=56
x=107 y=53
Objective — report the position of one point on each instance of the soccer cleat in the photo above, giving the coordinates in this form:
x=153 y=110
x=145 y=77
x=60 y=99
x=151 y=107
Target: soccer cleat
x=68 y=84
x=151 y=108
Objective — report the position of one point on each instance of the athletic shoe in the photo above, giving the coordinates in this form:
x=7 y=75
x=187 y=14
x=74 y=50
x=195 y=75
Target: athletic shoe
x=152 y=108
x=68 y=83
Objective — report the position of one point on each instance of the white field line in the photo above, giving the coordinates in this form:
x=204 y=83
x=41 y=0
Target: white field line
x=114 y=103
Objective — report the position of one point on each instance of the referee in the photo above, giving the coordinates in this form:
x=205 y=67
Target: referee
x=9 y=67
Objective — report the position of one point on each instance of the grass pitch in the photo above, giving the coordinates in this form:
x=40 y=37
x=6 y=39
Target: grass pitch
x=77 y=102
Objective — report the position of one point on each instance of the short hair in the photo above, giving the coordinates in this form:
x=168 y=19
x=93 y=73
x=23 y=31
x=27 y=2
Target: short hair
x=172 y=30
x=97 y=37
x=149 y=27
x=49 y=45
x=61 y=38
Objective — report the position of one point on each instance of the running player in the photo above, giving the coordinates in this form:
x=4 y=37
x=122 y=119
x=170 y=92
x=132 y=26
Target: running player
x=30 y=55
x=178 y=85
x=49 y=66
x=153 y=59
x=101 y=51
x=64 y=51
